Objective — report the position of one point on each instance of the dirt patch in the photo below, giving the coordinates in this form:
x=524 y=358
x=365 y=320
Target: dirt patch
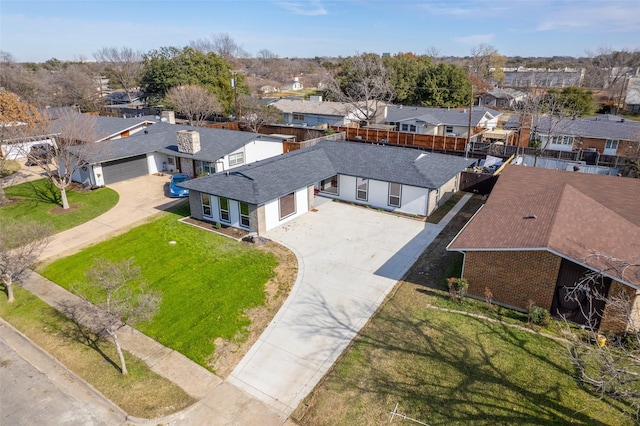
x=227 y=231
x=60 y=210
x=228 y=353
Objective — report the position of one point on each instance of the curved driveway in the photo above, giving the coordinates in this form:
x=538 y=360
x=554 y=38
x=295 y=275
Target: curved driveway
x=350 y=258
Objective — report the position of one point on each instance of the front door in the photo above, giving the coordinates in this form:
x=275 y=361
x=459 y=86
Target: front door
x=580 y=307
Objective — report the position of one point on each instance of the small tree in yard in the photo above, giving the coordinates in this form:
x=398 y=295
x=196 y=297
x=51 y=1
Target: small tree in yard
x=610 y=367
x=255 y=115
x=21 y=243
x=122 y=298
x=195 y=102
x=457 y=287
x=72 y=148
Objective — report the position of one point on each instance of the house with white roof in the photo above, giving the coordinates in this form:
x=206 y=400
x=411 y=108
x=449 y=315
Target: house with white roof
x=316 y=112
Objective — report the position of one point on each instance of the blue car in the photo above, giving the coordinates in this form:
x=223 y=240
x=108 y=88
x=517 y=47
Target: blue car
x=174 y=189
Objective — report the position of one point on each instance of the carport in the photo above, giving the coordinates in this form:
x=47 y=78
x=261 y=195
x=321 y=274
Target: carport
x=125 y=168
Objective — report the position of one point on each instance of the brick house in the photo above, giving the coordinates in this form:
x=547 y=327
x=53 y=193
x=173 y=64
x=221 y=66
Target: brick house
x=542 y=230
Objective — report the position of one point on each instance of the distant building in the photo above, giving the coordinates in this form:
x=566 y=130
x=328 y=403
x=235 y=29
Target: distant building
x=542 y=77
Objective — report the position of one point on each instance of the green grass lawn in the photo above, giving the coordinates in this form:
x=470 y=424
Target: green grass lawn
x=40 y=202
x=445 y=368
x=141 y=393
x=207 y=281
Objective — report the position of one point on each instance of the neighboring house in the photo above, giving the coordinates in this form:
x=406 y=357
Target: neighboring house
x=260 y=196
x=316 y=112
x=541 y=230
x=172 y=148
x=502 y=98
x=632 y=100
x=606 y=134
x=542 y=77
x=106 y=128
x=439 y=121
x=294 y=85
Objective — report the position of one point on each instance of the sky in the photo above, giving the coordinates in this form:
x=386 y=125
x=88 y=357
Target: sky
x=35 y=31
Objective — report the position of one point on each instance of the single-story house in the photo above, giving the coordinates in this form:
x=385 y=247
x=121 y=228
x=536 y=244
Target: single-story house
x=606 y=134
x=262 y=195
x=439 y=121
x=294 y=84
x=542 y=230
x=316 y=112
x=106 y=128
x=172 y=148
x=502 y=98
x=632 y=98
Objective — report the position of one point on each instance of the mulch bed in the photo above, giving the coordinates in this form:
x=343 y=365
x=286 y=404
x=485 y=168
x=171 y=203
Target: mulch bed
x=224 y=230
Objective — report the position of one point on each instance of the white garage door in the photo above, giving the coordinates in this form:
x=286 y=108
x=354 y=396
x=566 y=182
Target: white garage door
x=126 y=168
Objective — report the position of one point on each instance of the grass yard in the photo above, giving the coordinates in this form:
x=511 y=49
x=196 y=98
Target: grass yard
x=445 y=368
x=39 y=201
x=207 y=281
x=141 y=393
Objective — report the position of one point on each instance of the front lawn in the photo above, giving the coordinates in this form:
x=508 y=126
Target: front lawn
x=39 y=201
x=444 y=368
x=207 y=281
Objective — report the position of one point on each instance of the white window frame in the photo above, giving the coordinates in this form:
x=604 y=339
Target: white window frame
x=393 y=199
x=206 y=205
x=244 y=218
x=611 y=144
x=236 y=159
x=404 y=127
x=209 y=167
x=412 y=128
x=448 y=129
x=224 y=213
x=171 y=161
x=359 y=182
x=333 y=189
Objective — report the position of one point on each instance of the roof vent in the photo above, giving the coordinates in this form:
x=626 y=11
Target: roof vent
x=531 y=216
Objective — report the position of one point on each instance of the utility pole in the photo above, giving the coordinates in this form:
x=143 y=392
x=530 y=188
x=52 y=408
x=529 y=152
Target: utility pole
x=235 y=95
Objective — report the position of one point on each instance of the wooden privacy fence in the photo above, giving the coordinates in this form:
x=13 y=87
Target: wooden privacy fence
x=414 y=140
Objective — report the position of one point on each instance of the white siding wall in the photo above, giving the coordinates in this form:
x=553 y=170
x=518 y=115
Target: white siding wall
x=154 y=163
x=433 y=201
x=272 y=209
x=98 y=176
x=261 y=149
x=413 y=199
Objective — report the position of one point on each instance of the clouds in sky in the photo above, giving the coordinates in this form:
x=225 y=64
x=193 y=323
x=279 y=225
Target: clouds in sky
x=308 y=8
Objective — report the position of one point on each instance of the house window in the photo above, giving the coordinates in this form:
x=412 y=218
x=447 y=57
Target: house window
x=287 y=205
x=362 y=188
x=224 y=209
x=208 y=167
x=171 y=161
x=611 y=144
x=405 y=127
x=330 y=185
x=395 y=192
x=298 y=116
x=561 y=140
x=206 y=204
x=448 y=129
x=244 y=215
x=236 y=159
x=412 y=128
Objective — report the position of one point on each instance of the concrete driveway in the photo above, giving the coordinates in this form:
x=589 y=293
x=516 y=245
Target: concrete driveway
x=140 y=198
x=350 y=258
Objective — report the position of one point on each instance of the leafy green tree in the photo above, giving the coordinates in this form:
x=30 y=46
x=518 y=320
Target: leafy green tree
x=405 y=70
x=444 y=85
x=169 y=67
x=575 y=100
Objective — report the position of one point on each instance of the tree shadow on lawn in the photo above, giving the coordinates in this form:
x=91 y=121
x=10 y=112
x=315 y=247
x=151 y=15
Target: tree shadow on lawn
x=432 y=369
x=40 y=192
x=78 y=331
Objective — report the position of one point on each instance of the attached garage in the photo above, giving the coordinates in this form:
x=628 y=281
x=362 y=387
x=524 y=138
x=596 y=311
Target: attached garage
x=125 y=168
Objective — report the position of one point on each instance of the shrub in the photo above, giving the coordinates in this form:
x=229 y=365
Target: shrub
x=457 y=287
x=538 y=315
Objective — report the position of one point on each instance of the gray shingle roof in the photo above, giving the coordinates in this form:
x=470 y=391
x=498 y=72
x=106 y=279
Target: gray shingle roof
x=436 y=116
x=109 y=126
x=267 y=180
x=601 y=127
x=162 y=137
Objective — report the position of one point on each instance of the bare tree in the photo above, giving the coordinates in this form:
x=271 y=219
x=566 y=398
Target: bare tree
x=487 y=63
x=195 y=102
x=609 y=367
x=255 y=115
x=125 y=64
x=433 y=53
x=609 y=69
x=121 y=296
x=73 y=144
x=21 y=243
x=221 y=44
x=364 y=83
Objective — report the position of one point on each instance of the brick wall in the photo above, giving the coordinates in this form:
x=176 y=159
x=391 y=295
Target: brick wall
x=514 y=277
x=615 y=316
